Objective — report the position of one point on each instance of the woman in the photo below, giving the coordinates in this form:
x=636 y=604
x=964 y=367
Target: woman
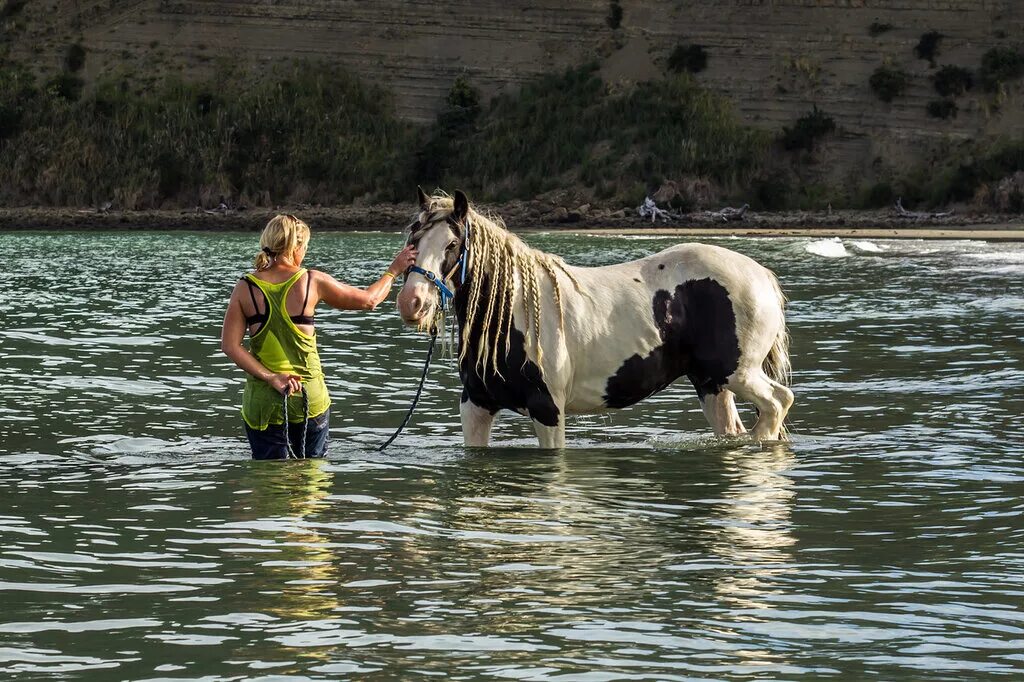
x=275 y=304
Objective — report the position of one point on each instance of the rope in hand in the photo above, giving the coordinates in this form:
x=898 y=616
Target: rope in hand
x=305 y=425
x=423 y=377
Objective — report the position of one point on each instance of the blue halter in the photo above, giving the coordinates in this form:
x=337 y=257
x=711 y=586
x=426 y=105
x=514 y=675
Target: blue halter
x=446 y=294
x=442 y=289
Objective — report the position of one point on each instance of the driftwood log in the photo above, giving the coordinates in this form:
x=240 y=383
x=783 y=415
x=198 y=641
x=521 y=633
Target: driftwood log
x=918 y=215
x=649 y=209
x=728 y=213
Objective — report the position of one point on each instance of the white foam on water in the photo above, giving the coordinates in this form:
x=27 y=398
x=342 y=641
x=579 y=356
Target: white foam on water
x=869 y=247
x=829 y=248
x=999 y=304
x=998 y=256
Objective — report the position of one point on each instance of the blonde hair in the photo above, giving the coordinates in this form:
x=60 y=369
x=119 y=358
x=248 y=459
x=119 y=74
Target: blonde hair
x=509 y=265
x=282 y=236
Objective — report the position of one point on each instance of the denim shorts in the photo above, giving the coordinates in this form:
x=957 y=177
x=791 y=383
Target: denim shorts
x=270 y=443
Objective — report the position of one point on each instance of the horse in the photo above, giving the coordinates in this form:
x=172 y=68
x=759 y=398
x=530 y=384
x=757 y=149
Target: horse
x=545 y=339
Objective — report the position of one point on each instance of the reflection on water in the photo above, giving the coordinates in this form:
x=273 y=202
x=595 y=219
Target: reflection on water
x=137 y=541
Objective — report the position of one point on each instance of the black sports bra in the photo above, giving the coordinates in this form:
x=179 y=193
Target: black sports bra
x=260 y=318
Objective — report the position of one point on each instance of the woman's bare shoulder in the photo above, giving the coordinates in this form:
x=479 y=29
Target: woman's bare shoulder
x=319 y=276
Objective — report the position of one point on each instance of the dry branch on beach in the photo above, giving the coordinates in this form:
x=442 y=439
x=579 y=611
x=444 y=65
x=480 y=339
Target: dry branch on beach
x=918 y=215
x=649 y=209
x=728 y=213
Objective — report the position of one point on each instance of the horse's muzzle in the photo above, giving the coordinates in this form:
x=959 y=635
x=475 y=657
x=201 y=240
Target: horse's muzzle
x=416 y=304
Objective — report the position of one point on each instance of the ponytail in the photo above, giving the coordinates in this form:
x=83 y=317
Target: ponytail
x=282 y=236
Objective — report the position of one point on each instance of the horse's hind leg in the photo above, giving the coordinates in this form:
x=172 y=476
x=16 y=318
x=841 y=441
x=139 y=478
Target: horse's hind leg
x=771 y=398
x=721 y=413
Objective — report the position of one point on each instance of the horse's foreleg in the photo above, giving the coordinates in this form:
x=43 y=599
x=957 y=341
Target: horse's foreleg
x=550 y=437
x=548 y=417
x=476 y=424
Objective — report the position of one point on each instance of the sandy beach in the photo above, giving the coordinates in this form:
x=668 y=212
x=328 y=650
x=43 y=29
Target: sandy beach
x=536 y=215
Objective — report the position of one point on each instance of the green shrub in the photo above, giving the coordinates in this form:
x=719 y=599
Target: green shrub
x=928 y=46
x=463 y=104
x=877 y=28
x=66 y=85
x=888 y=83
x=462 y=94
x=74 y=58
x=569 y=126
x=310 y=126
x=614 y=18
x=690 y=58
x=962 y=179
x=462 y=107
x=953 y=81
x=205 y=102
x=942 y=108
x=807 y=130
x=17 y=93
x=770 y=193
x=11 y=8
x=1000 y=65
x=879 y=195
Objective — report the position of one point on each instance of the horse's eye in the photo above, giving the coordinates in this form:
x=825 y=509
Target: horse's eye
x=451 y=245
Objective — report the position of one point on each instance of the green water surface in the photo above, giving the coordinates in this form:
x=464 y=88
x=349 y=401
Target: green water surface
x=139 y=542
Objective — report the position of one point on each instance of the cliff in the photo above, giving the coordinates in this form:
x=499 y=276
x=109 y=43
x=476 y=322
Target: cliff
x=774 y=59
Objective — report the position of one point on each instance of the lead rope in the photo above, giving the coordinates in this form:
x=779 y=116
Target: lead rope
x=305 y=425
x=446 y=295
x=423 y=377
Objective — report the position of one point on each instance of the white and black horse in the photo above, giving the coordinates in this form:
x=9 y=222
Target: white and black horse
x=546 y=339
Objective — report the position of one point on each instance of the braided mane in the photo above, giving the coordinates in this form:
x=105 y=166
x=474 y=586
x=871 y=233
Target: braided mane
x=508 y=264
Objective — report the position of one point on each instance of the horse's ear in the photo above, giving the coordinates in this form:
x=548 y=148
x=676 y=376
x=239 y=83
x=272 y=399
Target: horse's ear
x=422 y=198
x=461 y=206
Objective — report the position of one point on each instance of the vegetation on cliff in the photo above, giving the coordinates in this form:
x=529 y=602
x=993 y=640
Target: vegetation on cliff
x=308 y=134
x=311 y=133
x=571 y=129
x=314 y=134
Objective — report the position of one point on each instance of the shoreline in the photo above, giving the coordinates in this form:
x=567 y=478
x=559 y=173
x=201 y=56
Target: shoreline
x=534 y=216
x=981 y=232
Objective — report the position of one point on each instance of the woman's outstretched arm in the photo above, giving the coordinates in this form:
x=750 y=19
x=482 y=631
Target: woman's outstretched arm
x=346 y=297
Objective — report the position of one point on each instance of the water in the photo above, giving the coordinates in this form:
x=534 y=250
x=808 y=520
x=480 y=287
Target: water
x=138 y=541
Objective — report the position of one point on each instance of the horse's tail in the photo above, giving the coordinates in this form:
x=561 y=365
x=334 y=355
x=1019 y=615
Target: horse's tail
x=776 y=364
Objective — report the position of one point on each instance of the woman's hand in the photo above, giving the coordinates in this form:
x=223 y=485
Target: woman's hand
x=404 y=260
x=285 y=384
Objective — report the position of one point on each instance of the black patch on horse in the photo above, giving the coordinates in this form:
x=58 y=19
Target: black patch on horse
x=698 y=338
x=520 y=386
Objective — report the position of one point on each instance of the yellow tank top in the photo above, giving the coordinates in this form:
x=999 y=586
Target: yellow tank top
x=282 y=347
